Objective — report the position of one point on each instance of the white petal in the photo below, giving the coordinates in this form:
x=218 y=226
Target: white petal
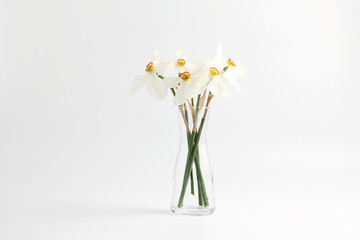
x=179 y=98
x=180 y=54
x=240 y=70
x=172 y=82
x=204 y=80
x=186 y=91
x=156 y=57
x=235 y=72
x=137 y=83
x=218 y=64
x=218 y=87
x=219 y=51
x=174 y=66
x=162 y=68
x=193 y=67
x=193 y=89
x=230 y=75
x=157 y=88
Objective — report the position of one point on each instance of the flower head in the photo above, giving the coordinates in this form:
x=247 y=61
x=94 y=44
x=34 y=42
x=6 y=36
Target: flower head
x=152 y=79
x=232 y=71
x=192 y=78
x=149 y=67
x=185 y=76
x=188 y=85
x=214 y=71
x=181 y=64
x=215 y=82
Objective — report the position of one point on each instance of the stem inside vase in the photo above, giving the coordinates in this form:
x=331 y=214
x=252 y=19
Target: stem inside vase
x=193 y=155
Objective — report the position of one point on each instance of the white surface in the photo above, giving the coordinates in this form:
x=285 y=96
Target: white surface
x=81 y=159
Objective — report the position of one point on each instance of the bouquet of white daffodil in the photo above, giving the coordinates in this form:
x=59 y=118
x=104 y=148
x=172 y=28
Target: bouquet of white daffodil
x=193 y=88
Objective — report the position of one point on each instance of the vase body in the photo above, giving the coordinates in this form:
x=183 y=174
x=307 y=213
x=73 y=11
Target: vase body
x=193 y=187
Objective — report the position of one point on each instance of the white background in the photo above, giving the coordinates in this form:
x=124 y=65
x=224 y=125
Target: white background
x=82 y=159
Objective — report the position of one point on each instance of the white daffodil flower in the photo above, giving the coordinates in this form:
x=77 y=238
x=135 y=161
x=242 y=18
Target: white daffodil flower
x=215 y=82
x=153 y=79
x=180 y=63
x=232 y=71
x=188 y=86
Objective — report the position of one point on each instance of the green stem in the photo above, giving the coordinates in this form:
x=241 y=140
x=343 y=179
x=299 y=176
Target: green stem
x=191 y=173
x=198 y=173
x=189 y=146
x=194 y=142
x=201 y=180
x=192 y=182
x=198 y=102
x=195 y=137
x=173 y=91
x=189 y=162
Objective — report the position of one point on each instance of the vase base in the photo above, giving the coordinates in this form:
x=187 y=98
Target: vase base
x=193 y=210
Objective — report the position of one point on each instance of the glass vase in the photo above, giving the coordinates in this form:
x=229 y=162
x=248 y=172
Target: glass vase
x=193 y=187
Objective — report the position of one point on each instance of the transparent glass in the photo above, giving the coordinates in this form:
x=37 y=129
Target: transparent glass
x=193 y=187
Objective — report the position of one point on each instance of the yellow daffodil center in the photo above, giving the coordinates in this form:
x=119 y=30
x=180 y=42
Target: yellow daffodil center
x=230 y=63
x=185 y=76
x=180 y=62
x=214 y=71
x=149 y=67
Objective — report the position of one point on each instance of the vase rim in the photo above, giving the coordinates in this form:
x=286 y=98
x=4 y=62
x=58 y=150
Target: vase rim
x=204 y=107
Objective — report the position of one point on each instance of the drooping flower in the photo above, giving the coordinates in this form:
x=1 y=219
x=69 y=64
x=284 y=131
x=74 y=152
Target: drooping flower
x=231 y=70
x=152 y=79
